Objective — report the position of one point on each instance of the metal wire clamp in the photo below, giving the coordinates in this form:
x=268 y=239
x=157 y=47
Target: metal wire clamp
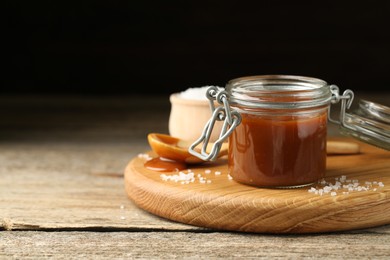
x=346 y=102
x=231 y=119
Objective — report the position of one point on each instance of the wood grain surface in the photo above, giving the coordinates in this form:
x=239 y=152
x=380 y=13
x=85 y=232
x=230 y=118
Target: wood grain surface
x=372 y=244
x=62 y=191
x=224 y=204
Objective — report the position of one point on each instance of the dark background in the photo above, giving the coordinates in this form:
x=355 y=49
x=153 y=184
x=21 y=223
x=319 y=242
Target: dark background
x=127 y=47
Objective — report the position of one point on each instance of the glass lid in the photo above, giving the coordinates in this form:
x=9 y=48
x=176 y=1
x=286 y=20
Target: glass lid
x=374 y=111
x=370 y=123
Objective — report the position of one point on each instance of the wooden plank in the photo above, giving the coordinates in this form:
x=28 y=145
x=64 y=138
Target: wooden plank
x=68 y=186
x=184 y=245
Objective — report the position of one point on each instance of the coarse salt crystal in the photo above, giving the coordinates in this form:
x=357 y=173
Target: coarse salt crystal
x=145 y=156
x=352 y=186
x=182 y=177
x=198 y=93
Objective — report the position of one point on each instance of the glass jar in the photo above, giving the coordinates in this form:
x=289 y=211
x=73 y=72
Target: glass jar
x=281 y=141
x=276 y=126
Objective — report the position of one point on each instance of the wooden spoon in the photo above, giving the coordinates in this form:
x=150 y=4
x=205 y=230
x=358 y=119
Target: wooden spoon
x=342 y=147
x=173 y=148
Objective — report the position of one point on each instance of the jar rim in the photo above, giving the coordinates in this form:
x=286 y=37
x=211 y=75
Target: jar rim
x=278 y=91
x=255 y=78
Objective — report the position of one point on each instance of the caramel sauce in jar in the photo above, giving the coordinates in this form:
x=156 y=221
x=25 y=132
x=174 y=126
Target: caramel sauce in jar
x=281 y=140
x=277 y=151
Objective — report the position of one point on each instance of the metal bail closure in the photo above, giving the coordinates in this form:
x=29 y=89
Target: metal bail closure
x=346 y=102
x=231 y=119
x=369 y=123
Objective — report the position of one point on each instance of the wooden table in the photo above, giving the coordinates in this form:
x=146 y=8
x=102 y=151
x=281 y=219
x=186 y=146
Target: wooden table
x=62 y=191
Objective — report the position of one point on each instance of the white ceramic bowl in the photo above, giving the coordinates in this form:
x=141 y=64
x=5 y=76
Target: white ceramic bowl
x=188 y=118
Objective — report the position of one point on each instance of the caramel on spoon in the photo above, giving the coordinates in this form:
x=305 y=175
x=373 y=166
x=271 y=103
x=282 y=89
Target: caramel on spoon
x=175 y=149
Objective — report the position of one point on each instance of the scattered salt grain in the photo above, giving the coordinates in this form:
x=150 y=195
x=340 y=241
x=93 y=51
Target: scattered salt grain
x=196 y=93
x=122 y=207
x=325 y=187
x=217 y=173
x=144 y=156
x=123 y=218
x=207 y=171
x=202 y=179
x=230 y=177
x=184 y=178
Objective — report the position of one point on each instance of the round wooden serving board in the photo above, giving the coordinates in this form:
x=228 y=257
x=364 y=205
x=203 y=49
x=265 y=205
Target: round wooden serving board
x=224 y=204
